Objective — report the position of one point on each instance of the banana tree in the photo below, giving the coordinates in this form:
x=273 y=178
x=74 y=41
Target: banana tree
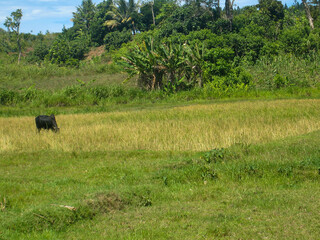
x=173 y=66
x=172 y=60
x=143 y=60
x=195 y=62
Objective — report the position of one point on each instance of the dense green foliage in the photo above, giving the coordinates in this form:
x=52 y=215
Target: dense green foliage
x=175 y=47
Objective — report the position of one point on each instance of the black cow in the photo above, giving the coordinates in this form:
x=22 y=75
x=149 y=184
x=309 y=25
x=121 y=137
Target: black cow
x=46 y=122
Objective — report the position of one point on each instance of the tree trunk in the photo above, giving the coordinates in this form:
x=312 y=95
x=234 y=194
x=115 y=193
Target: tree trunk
x=307 y=9
x=229 y=11
x=200 y=79
x=133 y=29
x=19 y=44
x=153 y=18
x=19 y=56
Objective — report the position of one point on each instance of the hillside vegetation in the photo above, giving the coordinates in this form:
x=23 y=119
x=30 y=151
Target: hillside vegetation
x=171 y=48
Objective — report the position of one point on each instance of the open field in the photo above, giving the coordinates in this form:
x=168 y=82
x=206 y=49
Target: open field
x=150 y=174
x=185 y=128
x=52 y=77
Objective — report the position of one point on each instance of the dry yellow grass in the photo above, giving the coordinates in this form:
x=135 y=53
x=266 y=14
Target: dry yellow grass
x=188 y=128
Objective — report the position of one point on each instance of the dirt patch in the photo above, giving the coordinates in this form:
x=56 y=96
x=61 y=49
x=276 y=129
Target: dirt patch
x=95 y=52
x=104 y=203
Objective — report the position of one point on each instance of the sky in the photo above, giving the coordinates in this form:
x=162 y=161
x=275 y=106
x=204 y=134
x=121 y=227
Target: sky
x=52 y=15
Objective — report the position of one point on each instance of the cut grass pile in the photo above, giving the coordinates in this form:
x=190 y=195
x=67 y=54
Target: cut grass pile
x=258 y=186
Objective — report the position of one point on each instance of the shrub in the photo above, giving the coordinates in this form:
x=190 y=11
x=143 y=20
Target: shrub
x=114 y=40
x=41 y=50
x=279 y=81
x=67 y=53
x=214 y=155
x=7 y=96
x=292 y=39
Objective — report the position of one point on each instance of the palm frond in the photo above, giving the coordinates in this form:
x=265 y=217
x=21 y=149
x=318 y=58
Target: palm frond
x=111 y=23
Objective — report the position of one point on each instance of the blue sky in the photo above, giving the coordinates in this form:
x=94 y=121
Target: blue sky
x=52 y=15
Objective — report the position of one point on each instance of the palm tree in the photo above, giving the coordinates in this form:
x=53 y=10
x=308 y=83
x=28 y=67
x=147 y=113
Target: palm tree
x=84 y=15
x=122 y=13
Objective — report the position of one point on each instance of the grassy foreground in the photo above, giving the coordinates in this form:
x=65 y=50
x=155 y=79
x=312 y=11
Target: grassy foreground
x=241 y=170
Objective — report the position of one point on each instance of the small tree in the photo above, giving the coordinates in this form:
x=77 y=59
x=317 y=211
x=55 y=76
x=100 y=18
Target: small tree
x=13 y=25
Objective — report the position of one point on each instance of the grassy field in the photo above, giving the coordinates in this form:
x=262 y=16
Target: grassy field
x=52 y=77
x=185 y=128
x=228 y=170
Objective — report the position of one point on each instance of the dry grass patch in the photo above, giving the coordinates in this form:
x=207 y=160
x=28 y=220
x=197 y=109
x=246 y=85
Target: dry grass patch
x=188 y=128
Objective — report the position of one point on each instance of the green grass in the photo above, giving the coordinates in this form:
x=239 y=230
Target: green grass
x=243 y=192
x=84 y=98
x=52 y=77
x=264 y=190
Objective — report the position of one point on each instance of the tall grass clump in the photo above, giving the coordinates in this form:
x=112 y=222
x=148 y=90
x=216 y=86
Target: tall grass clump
x=99 y=65
x=13 y=72
x=294 y=71
x=74 y=95
x=86 y=94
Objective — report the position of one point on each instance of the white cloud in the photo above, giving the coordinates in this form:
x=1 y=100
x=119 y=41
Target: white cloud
x=40 y=15
x=5 y=11
x=65 y=10
x=36 y=12
x=48 y=12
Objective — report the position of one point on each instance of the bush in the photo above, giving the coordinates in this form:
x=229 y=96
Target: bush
x=292 y=39
x=7 y=96
x=280 y=81
x=41 y=51
x=114 y=40
x=238 y=80
x=270 y=49
x=67 y=53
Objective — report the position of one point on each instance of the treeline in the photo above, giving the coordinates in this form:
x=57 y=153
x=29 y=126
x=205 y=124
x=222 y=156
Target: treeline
x=176 y=47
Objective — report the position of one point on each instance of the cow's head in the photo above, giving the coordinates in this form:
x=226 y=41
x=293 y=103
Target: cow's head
x=55 y=126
